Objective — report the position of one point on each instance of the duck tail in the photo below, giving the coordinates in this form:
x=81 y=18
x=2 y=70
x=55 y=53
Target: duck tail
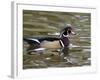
x=25 y=39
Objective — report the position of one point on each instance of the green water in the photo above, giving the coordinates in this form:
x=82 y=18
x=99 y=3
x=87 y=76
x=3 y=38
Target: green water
x=41 y=23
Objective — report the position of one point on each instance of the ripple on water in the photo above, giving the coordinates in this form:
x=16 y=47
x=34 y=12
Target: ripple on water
x=77 y=46
x=78 y=29
x=88 y=47
x=84 y=37
x=86 y=50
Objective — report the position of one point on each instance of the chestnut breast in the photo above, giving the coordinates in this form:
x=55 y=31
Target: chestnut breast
x=65 y=41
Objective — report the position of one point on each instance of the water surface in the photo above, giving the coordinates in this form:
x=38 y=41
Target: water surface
x=41 y=23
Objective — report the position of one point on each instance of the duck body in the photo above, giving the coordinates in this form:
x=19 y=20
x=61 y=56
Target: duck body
x=46 y=42
x=51 y=43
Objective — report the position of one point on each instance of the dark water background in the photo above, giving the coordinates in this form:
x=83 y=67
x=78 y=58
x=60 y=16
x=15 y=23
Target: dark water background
x=43 y=23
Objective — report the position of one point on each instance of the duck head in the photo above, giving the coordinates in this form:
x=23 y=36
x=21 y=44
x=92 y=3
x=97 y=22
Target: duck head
x=67 y=31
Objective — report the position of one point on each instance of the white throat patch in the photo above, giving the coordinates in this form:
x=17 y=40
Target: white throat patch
x=65 y=35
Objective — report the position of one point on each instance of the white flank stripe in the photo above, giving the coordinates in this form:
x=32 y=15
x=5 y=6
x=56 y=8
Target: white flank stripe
x=35 y=40
x=62 y=43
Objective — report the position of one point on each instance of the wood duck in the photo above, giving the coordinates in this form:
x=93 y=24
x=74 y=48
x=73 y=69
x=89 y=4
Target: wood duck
x=62 y=43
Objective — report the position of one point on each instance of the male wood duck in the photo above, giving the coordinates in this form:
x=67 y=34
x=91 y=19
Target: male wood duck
x=39 y=44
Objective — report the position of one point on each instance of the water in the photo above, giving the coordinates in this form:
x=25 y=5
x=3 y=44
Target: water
x=41 y=23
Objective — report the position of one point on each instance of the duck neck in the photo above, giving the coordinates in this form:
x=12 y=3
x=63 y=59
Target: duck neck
x=64 y=40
